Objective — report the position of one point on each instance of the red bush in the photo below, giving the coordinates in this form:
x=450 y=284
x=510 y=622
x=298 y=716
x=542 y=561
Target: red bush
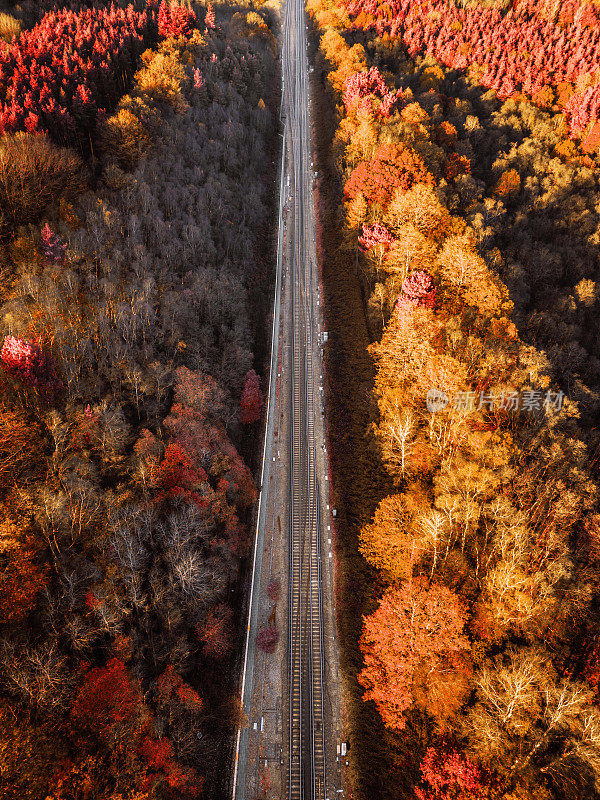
x=267 y=638
x=274 y=589
x=252 y=399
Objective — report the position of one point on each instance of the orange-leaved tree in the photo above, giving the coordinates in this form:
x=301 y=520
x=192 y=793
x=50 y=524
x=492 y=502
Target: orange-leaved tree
x=414 y=648
x=419 y=206
x=21 y=447
x=22 y=577
x=392 y=166
x=392 y=542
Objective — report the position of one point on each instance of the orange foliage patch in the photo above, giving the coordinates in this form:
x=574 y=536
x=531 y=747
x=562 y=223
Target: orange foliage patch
x=457 y=165
x=21 y=447
x=508 y=186
x=392 y=166
x=413 y=638
x=544 y=98
x=446 y=134
x=21 y=580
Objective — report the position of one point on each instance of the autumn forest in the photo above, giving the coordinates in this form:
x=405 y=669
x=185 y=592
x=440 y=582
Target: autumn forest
x=459 y=236
x=458 y=233
x=131 y=273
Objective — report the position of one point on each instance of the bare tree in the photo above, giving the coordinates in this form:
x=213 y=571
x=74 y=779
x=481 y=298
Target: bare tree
x=39 y=675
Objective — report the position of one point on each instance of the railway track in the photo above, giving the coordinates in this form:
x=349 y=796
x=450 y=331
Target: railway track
x=306 y=729
x=307 y=768
x=295 y=569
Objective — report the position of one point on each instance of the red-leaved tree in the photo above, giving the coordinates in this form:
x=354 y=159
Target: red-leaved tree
x=199 y=80
x=449 y=775
x=376 y=235
x=21 y=580
x=418 y=291
x=175 y=20
x=369 y=83
x=481 y=35
x=217 y=634
x=209 y=449
x=53 y=246
x=171 y=690
x=22 y=359
x=108 y=696
x=25 y=361
x=209 y=19
x=160 y=762
x=57 y=76
x=457 y=165
x=176 y=475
